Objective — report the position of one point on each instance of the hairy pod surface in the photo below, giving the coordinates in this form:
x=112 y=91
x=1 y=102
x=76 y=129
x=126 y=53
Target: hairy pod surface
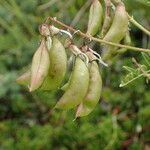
x=24 y=79
x=117 y=30
x=94 y=92
x=58 y=66
x=95 y=18
x=77 y=88
x=40 y=66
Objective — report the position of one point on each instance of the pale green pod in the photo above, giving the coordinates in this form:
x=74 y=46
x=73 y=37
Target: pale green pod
x=58 y=66
x=119 y=25
x=108 y=18
x=24 y=79
x=95 y=18
x=127 y=38
x=77 y=88
x=106 y=26
x=117 y=30
x=40 y=66
x=126 y=41
x=94 y=92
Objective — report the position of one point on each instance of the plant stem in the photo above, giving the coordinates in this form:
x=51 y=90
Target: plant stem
x=47 y=5
x=96 y=39
x=132 y=20
x=114 y=134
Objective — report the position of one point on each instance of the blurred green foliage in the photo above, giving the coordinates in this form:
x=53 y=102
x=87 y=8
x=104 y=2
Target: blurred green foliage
x=120 y=121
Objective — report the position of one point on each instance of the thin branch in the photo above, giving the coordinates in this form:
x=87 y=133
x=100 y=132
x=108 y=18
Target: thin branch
x=47 y=5
x=107 y=18
x=132 y=20
x=114 y=134
x=80 y=13
x=96 y=39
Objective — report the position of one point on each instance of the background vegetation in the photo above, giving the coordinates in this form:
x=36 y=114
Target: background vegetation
x=120 y=121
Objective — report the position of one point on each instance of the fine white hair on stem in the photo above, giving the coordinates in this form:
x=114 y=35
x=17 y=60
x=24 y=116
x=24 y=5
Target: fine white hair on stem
x=86 y=58
x=102 y=62
x=99 y=57
x=66 y=32
x=76 y=32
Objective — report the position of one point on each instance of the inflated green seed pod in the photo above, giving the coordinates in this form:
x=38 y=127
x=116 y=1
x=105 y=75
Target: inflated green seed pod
x=119 y=25
x=94 y=92
x=24 y=79
x=117 y=30
x=77 y=88
x=40 y=66
x=95 y=18
x=58 y=66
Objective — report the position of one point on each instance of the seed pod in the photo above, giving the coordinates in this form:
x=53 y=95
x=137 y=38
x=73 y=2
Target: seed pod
x=78 y=86
x=117 y=30
x=24 y=79
x=40 y=66
x=127 y=38
x=95 y=18
x=58 y=66
x=107 y=19
x=126 y=41
x=94 y=92
x=119 y=25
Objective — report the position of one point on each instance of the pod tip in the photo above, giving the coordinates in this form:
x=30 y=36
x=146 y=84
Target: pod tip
x=55 y=107
x=74 y=119
x=31 y=89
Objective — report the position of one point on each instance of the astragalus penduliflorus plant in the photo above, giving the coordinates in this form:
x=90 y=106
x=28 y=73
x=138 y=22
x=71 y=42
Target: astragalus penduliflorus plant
x=108 y=25
x=116 y=106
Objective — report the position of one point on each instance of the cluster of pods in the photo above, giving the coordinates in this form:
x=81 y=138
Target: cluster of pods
x=50 y=61
x=110 y=25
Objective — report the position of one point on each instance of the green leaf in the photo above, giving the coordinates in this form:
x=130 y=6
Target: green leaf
x=132 y=75
x=129 y=69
